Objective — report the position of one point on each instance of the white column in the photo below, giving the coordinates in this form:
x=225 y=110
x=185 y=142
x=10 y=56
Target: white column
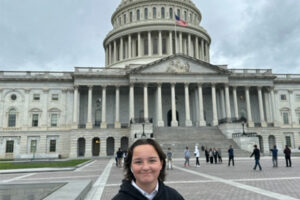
x=89 y=124
x=293 y=113
x=202 y=50
x=146 y=116
x=121 y=49
x=180 y=42
x=197 y=47
x=131 y=103
x=139 y=45
x=106 y=56
x=249 y=114
x=223 y=106
x=160 y=122
x=235 y=102
x=214 y=104
x=174 y=122
x=117 y=120
x=261 y=108
x=129 y=46
x=189 y=45
x=170 y=43
x=274 y=111
x=103 y=118
x=75 y=108
x=160 y=43
x=188 y=121
x=228 y=111
x=115 y=51
x=207 y=53
x=176 y=43
x=45 y=109
x=202 y=122
x=149 y=44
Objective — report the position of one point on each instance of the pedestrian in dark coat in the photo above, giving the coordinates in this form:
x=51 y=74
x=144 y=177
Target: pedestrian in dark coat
x=215 y=153
x=144 y=168
x=230 y=155
x=256 y=153
x=275 y=156
x=287 y=152
x=206 y=155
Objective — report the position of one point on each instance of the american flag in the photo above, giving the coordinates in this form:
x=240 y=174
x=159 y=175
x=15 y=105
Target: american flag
x=180 y=22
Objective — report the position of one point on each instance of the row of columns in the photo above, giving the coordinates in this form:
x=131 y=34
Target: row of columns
x=125 y=47
x=174 y=122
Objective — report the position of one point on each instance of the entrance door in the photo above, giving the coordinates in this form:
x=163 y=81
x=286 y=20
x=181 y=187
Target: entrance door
x=96 y=147
x=81 y=147
x=124 y=143
x=110 y=146
x=272 y=141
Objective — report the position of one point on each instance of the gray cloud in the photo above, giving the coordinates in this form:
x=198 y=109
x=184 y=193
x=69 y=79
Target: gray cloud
x=58 y=35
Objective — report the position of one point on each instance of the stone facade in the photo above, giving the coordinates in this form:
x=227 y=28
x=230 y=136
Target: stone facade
x=156 y=78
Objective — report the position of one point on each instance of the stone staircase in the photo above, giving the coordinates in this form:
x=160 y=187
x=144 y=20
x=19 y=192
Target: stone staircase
x=180 y=137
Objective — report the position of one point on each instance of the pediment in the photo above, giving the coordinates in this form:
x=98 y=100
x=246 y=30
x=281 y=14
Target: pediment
x=179 y=64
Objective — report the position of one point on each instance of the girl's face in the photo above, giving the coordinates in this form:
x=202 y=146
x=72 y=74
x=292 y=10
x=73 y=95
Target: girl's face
x=146 y=165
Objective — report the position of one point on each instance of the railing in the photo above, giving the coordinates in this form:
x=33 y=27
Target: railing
x=251 y=71
x=236 y=135
x=98 y=70
x=140 y=120
x=35 y=74
x=287 y=76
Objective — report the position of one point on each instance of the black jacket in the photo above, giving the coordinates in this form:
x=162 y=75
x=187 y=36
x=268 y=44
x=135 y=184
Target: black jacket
x=256 y=154
x=128 y=192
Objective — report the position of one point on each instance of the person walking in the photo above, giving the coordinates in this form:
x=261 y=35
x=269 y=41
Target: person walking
x=220 y=155
x=119 y=157
x=187 y=156
x=287 y=153
x=215 y=154
x=230 y=155
x=206 y=155
x=211 y=156
x=169 y=159
x=275 y=156
x=197 y=155
x=256 y=153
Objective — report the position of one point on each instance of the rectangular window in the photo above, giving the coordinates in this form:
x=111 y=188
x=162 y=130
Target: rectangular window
x=36 y=97
x=185 y=16
x=52 y=146
x=138 y=16
x=155 y=46
x=12 y=120
x=288 y=141
x=10 y=146
x=130 y=16
x=171 y=13
x=35 y=120
x=146 y=13
x=33 y=146
x=154 y=13
x=178 y=12
x=124 y=17
x=146 y=46
x=53 y=120
x=285 y=116
x=54 y=97
x=283 y=97
x=164 y=46
x=162 y=12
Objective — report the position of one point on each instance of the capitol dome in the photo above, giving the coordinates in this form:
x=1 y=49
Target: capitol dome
x=145 y=31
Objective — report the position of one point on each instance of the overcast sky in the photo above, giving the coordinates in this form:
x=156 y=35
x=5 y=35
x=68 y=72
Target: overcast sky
x=57 y=35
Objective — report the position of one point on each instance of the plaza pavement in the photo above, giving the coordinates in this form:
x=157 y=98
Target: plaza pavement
x=209 y=181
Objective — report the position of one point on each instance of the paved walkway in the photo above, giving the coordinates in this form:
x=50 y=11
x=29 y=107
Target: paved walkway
x=210 y=181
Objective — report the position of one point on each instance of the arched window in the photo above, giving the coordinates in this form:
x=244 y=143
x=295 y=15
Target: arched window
x=171 y=13
x=124 y=18
x=12 y=117
x=162 y=12
x=185 y=16
x=130 y=16
x=146 y=13
x=154 y=13
x=178 y=12
x=138 y=15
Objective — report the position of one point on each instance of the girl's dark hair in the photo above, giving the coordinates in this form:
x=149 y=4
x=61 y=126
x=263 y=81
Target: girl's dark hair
x=128 y=159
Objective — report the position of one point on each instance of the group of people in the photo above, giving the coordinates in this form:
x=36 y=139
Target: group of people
x=120 y=155
x=213 y=155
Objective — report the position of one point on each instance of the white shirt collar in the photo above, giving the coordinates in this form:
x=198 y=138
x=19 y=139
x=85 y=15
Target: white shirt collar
x=147 y=195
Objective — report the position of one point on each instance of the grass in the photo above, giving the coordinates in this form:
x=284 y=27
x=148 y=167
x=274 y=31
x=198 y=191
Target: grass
x=25 y=165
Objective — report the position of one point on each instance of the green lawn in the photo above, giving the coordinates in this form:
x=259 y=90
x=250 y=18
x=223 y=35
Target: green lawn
x=35 y=164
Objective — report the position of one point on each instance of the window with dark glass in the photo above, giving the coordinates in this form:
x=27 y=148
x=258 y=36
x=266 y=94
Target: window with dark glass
x=178 y=12
x=9 y=146
x=171 y=13
x=124 y=19
x=54 y=97
x=12 y=116
x=185 y=16
x=154 y=13
x=155 y=45
x=138 y=15
x=13 y=97
x=36 y=97
x=164 y=46
x=54 y=120
x=283 y=97
x=33 y=146
x=35 y=120
x=146 y=13
x=191 y=17
x=52 y=146
x=130 y=16
x=288 y=141
x=145 y=46
x=162 y=12
x=285 y=116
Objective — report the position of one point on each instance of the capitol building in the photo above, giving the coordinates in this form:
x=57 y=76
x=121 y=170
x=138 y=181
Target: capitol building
x=157 y=82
